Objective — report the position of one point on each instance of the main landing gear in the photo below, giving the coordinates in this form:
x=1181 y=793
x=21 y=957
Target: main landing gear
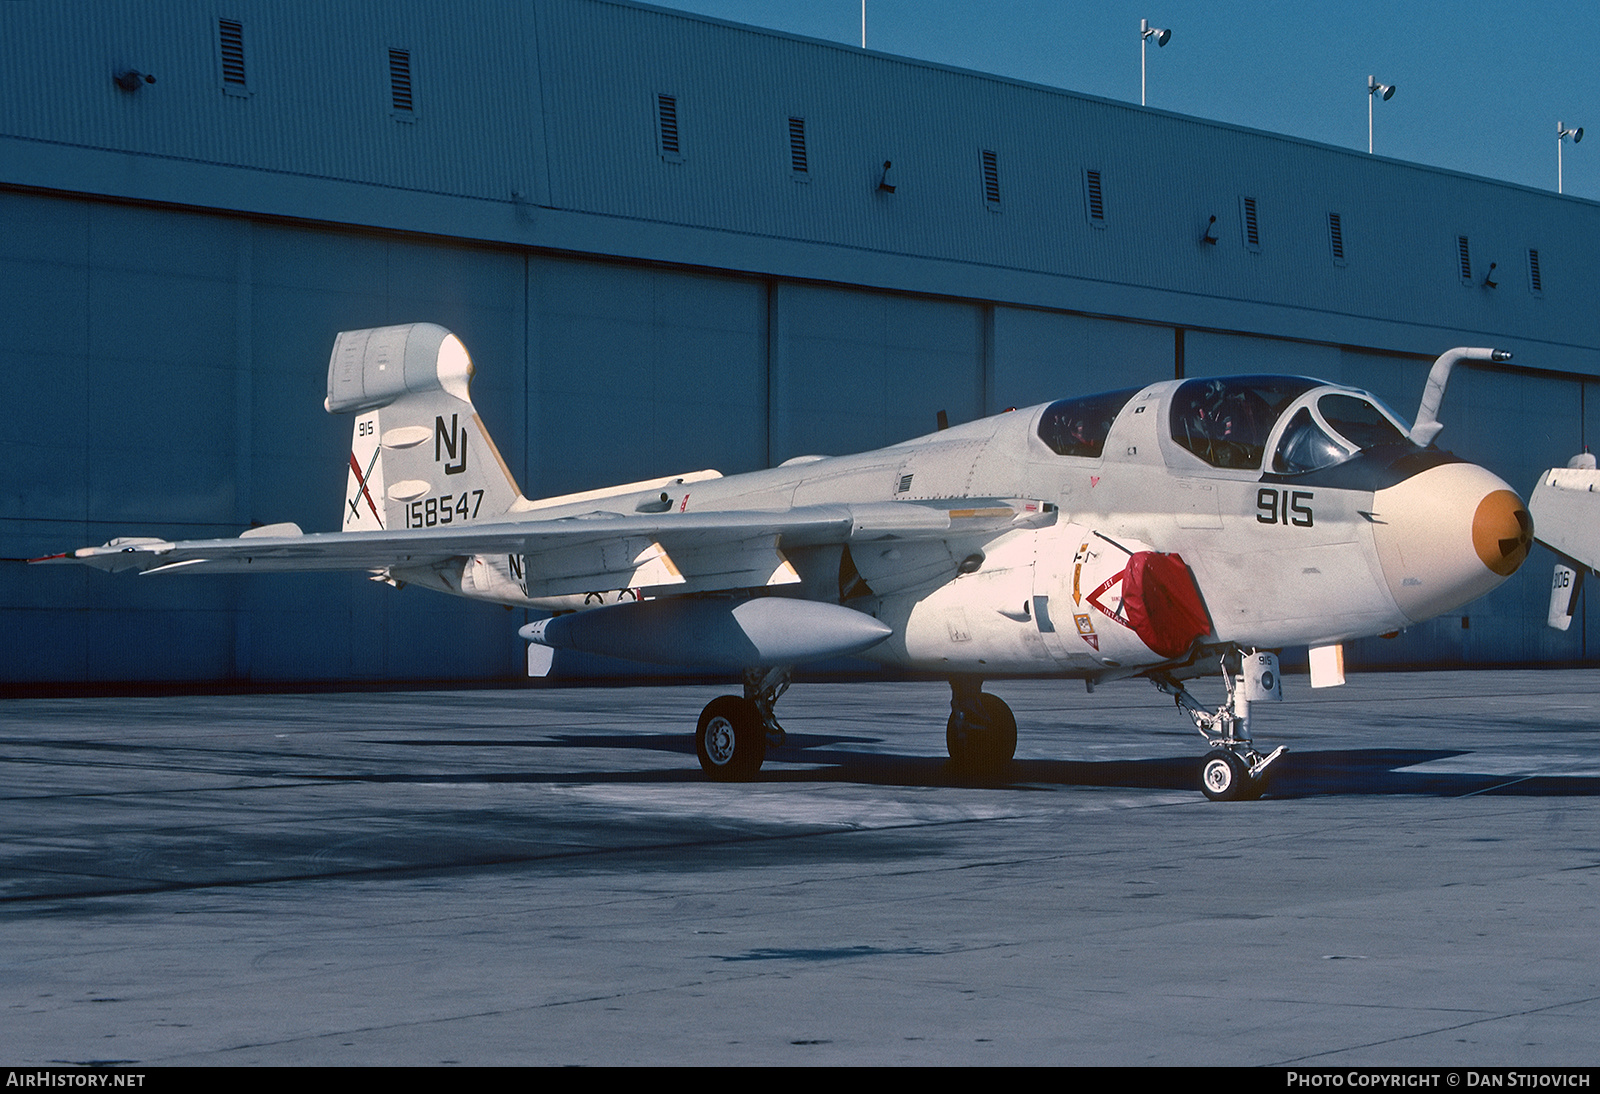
x=982 y=732
x=1232 y=770
x=734 y=733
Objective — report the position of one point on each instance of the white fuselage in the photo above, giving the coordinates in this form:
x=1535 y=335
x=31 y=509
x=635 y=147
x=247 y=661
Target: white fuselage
x=1276 y=562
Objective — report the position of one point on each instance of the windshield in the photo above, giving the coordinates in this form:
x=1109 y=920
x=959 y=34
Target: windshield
x=1342 y=425
x=1359 y=421
x=1305 y=447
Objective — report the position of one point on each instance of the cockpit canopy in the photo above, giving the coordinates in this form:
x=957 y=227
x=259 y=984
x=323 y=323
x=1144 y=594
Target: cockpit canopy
x=1079 y=427
x=1286 y=425
x=1229 y=422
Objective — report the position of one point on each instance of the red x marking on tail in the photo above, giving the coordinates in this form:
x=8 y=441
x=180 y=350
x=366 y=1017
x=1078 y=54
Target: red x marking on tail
x=361 y=480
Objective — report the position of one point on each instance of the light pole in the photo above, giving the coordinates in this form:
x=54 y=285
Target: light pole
x=1147 y=32
x=1386 y=91
x=1561 y=137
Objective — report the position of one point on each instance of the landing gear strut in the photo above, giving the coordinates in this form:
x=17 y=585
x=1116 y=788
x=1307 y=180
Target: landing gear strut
x=734 y=733
x=1232 y=770
x=982 y=732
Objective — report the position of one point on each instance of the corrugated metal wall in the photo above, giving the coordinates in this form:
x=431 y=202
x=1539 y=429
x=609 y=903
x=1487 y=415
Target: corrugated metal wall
x=316 y=100
x=641 y=372
x=1163 y=177
x=537 y=120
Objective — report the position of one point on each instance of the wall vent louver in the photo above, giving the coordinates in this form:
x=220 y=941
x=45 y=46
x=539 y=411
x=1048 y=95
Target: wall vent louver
x=230 y=41
x=797 y=145
x=667 y=123
x=1535 y=279
x=400 y=80
x=1252 y=225
x=1094 y=198
x=991 y=180
x=1464 y=256
x=1336 y=238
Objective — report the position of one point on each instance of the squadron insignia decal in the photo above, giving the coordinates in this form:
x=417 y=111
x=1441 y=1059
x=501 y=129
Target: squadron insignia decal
x=1086 y=630
x=1113 y=613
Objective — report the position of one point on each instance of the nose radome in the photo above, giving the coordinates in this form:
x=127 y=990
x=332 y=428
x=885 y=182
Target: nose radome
x=1448 y=535
x=1502 y=532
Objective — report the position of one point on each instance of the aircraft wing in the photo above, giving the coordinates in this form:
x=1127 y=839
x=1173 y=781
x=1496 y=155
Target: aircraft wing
x=1566 y=513
x=574 y=554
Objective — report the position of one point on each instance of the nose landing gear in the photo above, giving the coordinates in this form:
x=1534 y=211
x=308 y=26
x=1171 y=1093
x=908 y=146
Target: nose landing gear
x=1232 y=770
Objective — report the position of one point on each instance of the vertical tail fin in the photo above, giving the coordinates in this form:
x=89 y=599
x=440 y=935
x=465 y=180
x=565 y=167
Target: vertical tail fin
x=419 y=455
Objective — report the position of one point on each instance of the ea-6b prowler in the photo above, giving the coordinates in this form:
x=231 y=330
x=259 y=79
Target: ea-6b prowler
x=1165 y=531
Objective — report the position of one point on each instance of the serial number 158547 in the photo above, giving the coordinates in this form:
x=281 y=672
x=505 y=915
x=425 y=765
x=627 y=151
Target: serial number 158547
x=444 y=509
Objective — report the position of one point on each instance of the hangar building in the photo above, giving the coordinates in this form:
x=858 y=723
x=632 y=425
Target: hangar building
x=670 y=243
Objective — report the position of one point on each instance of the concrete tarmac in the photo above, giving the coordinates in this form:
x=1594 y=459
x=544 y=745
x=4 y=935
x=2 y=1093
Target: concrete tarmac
x=543 y=877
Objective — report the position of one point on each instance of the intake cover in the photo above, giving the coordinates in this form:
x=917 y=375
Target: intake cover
x=1162 y=604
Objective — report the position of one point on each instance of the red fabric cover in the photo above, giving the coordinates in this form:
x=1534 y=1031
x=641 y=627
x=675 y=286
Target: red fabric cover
x=1162 y=604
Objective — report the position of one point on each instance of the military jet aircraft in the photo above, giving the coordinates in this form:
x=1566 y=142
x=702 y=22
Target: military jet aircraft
x=1165 y=531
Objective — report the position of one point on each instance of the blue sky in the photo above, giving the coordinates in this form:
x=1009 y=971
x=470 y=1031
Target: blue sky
x=1480 y=84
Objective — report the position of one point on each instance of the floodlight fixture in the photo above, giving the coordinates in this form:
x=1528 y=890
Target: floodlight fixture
x=1147 y=32
x=131 y=79
x=1562 y=133
x=1383 y=91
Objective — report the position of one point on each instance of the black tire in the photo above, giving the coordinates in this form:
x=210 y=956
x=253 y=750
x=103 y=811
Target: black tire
x=983 y=744
x=730 y=740
x=1224 y=777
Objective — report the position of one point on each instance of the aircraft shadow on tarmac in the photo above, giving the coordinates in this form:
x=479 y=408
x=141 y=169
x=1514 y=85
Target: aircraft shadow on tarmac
x=1295 y=775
